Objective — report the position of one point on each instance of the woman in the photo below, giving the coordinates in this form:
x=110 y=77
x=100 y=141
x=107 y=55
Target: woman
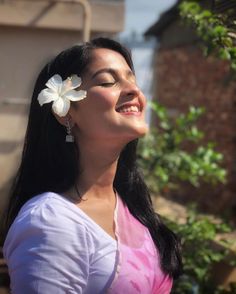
x=80 y=215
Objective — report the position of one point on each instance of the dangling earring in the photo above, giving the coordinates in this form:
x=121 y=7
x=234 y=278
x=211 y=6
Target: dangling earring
x=69 y=137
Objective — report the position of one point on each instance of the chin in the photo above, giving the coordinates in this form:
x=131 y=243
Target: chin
x=143 y=133
x=140 y=131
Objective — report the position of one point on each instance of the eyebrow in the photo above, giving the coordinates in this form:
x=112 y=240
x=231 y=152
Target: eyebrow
x=112 y=72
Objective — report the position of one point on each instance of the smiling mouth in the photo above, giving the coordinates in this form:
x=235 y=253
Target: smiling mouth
x=126 y=109
x=129 y=109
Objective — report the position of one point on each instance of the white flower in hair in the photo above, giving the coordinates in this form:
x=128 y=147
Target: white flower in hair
x=61 y=93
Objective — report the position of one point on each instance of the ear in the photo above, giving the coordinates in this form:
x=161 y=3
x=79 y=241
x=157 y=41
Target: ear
x=64 y=119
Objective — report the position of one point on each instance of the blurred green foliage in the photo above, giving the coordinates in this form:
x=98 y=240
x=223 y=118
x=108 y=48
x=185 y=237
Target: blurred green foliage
x=213 y=29
x=166 y=161
x=200 y=254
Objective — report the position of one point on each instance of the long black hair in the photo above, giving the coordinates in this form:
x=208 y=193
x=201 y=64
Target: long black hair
x=50 y=164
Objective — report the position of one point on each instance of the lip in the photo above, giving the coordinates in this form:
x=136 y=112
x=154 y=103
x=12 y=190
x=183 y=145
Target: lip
x=131 y=113
x=129 y=104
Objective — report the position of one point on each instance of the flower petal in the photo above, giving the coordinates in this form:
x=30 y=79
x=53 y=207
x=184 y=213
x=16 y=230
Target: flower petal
x=75 y=81
x=55 y=83
x=61 y=106
x=47 y=96
x=74 y=95
x=70 y=83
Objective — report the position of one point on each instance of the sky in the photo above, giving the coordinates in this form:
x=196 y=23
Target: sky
x=141 y=14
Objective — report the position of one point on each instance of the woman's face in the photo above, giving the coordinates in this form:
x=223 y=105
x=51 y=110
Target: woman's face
x=114 y=107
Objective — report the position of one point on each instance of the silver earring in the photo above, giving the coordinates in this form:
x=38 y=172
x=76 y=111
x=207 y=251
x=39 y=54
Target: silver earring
x=69 y=137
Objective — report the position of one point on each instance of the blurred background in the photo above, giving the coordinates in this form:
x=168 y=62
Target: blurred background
x=185 y=61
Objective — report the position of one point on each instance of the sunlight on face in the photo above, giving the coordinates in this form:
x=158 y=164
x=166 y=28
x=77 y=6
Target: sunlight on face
x=114 y=108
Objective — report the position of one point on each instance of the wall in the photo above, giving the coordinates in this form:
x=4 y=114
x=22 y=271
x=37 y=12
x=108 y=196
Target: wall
x=24 y=51
x=185 y=77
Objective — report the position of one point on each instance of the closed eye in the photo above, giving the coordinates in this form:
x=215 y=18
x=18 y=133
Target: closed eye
x=107 y=84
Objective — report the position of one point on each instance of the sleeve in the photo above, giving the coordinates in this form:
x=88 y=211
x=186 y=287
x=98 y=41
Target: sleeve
x=47 y=251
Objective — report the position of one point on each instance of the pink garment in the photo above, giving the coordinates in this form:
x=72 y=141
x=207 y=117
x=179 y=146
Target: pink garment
x=138 y=269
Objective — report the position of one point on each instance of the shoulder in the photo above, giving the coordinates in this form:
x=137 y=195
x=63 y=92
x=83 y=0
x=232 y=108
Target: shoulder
x=49 y=209
x=48 y=220
x=48 y=236
x=48 y=201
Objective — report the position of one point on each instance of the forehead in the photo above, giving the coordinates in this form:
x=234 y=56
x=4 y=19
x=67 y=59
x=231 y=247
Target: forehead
x=103 y=57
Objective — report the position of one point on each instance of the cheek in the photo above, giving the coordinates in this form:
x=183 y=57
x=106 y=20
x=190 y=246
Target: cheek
x=103 y=99
x=93 y=109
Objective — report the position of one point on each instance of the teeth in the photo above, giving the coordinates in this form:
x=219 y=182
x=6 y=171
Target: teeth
x=129 y=109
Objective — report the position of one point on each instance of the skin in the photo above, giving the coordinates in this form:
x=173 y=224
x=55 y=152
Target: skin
x=101 y=131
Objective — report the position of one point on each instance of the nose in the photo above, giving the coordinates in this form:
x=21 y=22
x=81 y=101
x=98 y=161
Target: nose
x=131 y=89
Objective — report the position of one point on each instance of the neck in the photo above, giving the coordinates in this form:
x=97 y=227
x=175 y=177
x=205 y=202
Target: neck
x=97 y=170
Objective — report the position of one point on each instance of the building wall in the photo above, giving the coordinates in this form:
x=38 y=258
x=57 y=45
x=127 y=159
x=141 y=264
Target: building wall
x=185 y=77
x=23 y=53
x=106 y=16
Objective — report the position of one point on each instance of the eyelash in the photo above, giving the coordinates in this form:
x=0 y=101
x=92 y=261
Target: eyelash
x=107 y=84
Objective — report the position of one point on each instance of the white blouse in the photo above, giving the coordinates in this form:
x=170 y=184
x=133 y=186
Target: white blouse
x=54 y=247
